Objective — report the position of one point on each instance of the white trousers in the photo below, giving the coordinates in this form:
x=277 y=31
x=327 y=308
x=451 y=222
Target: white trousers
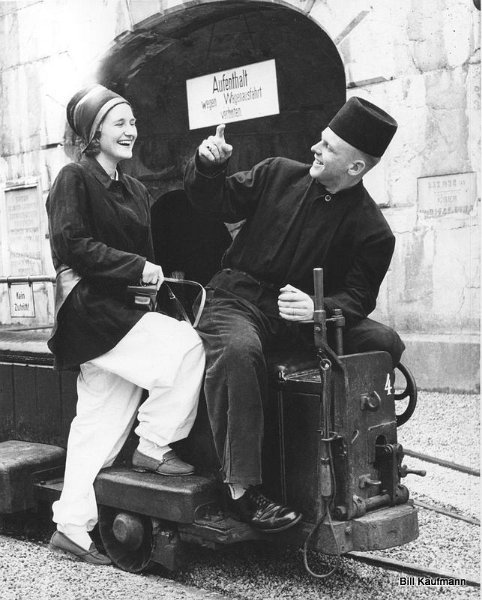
x=159 y=354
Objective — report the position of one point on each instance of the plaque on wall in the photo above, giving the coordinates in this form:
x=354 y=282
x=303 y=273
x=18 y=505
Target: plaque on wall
x=23 y=224
x=446 y=194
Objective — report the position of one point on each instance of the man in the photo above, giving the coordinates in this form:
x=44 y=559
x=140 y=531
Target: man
x=297 y=217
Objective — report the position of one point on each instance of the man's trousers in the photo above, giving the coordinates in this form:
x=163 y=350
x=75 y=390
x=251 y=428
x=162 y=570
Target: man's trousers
x=236 y=336
x=159 y=354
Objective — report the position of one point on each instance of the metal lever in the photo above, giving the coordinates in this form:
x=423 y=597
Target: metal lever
x=365 y=481
x=404 y=471
x=319 y=315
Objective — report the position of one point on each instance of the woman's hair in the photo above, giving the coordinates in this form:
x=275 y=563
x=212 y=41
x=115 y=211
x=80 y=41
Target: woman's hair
x=93 y=149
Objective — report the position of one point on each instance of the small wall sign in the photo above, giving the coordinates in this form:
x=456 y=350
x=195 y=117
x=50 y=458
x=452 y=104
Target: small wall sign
x=21 y=300
x=446 y=194
x=23 y=229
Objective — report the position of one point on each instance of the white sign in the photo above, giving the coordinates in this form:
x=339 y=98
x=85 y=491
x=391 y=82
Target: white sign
x=235 y=95
x=21 y=300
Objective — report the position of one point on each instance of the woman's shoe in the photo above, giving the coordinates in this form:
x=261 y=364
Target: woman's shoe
x=170 y=464
x=61 y=544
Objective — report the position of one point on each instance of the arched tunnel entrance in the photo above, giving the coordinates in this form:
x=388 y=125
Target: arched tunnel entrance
x=150 y=67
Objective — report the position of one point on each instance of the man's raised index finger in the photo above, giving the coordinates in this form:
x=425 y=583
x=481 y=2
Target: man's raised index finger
x=220 y=131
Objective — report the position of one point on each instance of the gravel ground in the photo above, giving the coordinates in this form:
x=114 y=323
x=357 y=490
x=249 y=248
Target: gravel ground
x=447 y=427
x=28 y=571
x=444 y=425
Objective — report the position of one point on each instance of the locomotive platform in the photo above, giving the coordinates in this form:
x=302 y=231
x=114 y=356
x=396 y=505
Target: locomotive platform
x=26 y=345
x=258 y=571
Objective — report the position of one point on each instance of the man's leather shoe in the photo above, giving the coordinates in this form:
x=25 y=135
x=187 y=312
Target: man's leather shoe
x=170 y=464
x=266 y=515
x=61 y=544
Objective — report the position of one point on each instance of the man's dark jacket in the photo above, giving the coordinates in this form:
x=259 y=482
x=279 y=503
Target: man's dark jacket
x=293 y=224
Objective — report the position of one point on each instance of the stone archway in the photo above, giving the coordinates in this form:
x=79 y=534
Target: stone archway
x=151 y=64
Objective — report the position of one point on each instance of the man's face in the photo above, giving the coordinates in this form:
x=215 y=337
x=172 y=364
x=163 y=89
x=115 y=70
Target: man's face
x=333 y=157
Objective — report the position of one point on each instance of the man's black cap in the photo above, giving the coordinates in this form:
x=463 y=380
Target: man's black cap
x=364 y=126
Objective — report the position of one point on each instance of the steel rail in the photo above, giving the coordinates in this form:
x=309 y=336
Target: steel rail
x=410 y=568
x=29 y=279
x=8 y=329
x=447 y=513
x=442 y=463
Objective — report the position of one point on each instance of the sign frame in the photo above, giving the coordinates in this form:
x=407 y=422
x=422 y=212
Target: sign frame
x=37 y=224
x=451 y=193
x=234 y=94
x=27 y=291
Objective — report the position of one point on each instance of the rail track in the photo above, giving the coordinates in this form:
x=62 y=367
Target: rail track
x=371 y=559
x=417 y=569
x=413 y=568
x=443 y=463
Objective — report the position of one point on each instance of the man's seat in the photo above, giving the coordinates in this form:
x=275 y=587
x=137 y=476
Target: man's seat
x=285 y=362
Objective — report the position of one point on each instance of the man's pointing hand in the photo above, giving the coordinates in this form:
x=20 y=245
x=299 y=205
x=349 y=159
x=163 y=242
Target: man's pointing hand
x=215 y=150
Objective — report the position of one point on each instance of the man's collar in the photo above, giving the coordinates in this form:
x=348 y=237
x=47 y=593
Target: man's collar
x=345 y=193
x=353 y=190
x=98 y=172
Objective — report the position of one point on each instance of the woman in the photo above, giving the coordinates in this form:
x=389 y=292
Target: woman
x=99 y=222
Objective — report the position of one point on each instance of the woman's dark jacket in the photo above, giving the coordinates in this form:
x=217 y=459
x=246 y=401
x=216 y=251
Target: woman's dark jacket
x=293 y=224
x=101 y=229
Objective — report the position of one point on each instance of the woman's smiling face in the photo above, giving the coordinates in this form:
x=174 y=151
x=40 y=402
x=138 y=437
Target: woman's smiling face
x=118 y=133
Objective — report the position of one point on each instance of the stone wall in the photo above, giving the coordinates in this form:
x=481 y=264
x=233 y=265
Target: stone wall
x=432 y=58
x=47 y=51
x=419 y=60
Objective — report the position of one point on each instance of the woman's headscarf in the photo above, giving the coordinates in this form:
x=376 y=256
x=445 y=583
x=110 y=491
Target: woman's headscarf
x=88 y=107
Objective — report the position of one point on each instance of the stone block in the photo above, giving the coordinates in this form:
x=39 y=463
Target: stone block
x=444 y=363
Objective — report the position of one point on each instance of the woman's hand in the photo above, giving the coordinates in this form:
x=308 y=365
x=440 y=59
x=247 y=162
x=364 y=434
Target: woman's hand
x=152 y=274
x=295 y=305
x=215 y=150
